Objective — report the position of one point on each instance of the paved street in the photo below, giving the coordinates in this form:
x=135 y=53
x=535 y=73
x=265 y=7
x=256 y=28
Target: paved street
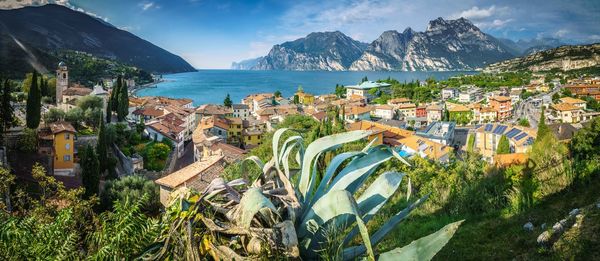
x=528 y=109
x=188 y=157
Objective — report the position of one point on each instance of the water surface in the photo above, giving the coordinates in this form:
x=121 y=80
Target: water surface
x=211 y=86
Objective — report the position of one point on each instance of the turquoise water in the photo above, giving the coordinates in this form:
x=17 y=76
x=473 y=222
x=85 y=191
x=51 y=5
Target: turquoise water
x=211 y=86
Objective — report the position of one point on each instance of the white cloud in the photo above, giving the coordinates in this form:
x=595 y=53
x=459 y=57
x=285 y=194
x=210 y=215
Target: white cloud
x=495 y=24
x=476 y=13
x=146 y=6
x=561 y=33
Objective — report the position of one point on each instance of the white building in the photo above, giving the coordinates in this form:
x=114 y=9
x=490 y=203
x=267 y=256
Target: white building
x=241 y=111
x=363 y=89
x=470 y=95
x=384 y=112
x=449 y=93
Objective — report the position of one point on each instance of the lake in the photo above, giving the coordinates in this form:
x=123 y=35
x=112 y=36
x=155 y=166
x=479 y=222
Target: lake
x=211 y=86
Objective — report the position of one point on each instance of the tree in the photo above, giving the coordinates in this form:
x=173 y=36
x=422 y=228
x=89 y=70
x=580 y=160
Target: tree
x=543 y=129
x=54 y=115
x=34 y=103
x=340 y=91
x=296 y=99
x=28 y=141
x=75 y=116
x=227 y=102
x=445 y=114
x=108 y=111
x=300 y=89
x=131 y=188
x=90 y=174
x=277 y=93
x=6 y=181
x=503 y=146
x=7 y=118
x=44 y=90
x=364 y=79
x=114 y=95
x=90 y=102
x=123 y=106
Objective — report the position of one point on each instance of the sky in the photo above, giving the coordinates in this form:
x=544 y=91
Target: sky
x=213 y=33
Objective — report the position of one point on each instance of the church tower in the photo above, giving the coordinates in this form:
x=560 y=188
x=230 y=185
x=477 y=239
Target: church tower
x=62 y=81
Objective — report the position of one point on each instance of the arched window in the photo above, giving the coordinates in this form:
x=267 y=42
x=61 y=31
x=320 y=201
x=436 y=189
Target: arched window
x=64 y=76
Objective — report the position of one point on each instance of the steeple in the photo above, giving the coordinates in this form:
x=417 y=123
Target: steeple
x=62 y=81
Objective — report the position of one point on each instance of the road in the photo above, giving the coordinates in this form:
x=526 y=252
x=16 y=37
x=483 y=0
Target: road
x=187 y=158
x=527 y=108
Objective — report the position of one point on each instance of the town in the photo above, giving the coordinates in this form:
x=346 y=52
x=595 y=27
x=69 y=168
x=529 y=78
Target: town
x=91 y=137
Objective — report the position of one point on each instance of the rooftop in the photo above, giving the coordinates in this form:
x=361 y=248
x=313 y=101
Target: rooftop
x=61 y=126
x=571 y=100
x=500 y=98
x=369 y=85
x=565 y=107
x=181 y=176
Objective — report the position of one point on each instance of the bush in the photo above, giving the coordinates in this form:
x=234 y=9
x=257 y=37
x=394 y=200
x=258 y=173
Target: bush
x=54 y=115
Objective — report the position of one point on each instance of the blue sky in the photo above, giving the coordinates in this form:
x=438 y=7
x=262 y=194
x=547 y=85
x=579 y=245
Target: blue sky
x=213 y=33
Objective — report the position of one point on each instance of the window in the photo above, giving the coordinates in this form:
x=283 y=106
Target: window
x=68 y=146
x=67 y=136
x=67 y=158
x=64 y=75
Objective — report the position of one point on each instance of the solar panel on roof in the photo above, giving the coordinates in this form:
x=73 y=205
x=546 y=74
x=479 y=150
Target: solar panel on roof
x=521 y=136
x=529 y=141
x=488 y=127
x=512 y=132
x=500 y=129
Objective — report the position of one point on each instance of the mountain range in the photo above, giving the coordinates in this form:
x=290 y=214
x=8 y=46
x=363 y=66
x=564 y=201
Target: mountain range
x=565 y=58
x=444 y=46
x=44 y=29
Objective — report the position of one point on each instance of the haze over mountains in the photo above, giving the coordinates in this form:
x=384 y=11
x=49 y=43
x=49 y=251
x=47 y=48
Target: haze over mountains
x=49 y=28
x=444 y=46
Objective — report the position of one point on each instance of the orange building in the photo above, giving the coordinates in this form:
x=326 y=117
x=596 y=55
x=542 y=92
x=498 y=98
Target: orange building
x=502 y=105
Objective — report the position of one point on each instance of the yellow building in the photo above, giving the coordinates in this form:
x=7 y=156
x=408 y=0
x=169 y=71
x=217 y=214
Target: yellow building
x=252 y=138
x=234 y=132
x=63 y=147
x=305 y=98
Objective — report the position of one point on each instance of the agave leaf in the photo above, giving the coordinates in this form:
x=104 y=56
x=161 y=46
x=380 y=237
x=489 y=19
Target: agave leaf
x=251 y=203
x=408 y=189
x=374 y=197
x=353 y=252
x=254 y=159
x=275 y=144
x=331 y=169
x=352 y=176
x=423 y=248
x=293 y=140
x=339 y=203
x=285 y=158
x=366 y=148
x=320 y=145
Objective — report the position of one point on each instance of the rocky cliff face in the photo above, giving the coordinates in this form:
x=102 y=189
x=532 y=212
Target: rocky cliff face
x=329 y=51
x=245 y=64
x=563 y=58
x=445 y=45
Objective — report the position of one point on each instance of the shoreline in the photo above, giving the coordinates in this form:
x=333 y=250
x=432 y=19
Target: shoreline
x=145 y=86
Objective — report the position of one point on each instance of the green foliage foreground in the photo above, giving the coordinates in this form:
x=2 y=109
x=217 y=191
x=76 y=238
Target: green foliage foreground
x=291 y=213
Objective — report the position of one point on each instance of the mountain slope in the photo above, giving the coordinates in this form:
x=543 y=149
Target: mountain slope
x=245 y=64
x=330 y=51
x=445 y=45
x=569 y=57
x=54 y=27
x=526 y=47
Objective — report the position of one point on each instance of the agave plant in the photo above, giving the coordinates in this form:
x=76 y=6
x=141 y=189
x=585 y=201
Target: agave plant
x=286 y=211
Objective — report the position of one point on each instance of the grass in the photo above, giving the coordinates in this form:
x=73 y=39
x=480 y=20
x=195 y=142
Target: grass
x=500 y=236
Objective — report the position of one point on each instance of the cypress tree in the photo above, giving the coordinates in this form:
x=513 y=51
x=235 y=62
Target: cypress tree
x=90 y=175
x=543 y=129
x=227 y=102
x=123 y=106
x=7 y=119
x=109 y=111
x=503 y=146
x=34 y=104
x=114 y=95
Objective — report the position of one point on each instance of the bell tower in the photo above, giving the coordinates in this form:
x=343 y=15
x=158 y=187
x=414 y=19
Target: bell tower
x=62 y=81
